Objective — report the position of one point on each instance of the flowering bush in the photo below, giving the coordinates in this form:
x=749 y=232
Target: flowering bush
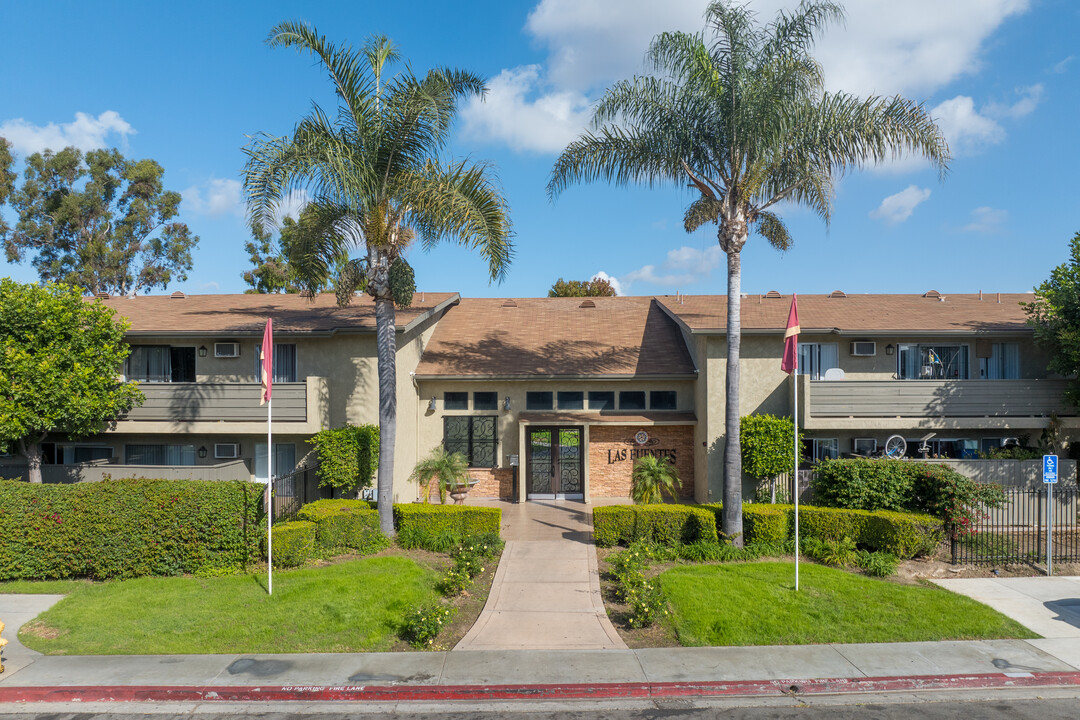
x=960 y=502
x=641 y=593
x=421 y=626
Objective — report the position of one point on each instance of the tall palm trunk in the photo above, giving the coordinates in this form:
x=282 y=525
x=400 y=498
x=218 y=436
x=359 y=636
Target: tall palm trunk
x=386 y=344
x=733 y=447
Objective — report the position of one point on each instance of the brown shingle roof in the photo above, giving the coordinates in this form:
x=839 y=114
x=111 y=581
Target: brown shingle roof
x=860 y=313
x=556 y=336
x=217 y=314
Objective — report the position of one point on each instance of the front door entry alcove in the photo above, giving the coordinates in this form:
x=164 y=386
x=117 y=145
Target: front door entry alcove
x=554 y=463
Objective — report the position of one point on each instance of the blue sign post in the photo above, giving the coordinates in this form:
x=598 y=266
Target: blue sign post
x=1050 y=477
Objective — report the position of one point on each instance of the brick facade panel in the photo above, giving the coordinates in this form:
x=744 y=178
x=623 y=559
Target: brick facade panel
x=613 y=449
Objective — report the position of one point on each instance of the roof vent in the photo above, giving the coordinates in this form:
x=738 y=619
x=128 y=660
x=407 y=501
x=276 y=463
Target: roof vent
x=587 y=304
x=509 y=303
x=177 y=295
x=773 y=294
x=838 y=294
x=932 y=294
x=102 y=295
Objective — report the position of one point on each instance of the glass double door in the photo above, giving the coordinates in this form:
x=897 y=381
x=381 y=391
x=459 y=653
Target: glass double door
x=554 y=463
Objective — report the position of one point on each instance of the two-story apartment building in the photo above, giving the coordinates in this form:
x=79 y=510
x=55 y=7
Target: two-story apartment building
x=556 y=397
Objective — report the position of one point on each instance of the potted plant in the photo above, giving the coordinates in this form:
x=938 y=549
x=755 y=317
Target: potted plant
x=449 y=470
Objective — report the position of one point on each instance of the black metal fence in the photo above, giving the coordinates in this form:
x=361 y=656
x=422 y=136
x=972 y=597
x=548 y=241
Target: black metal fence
x=294 y=490
x=1017 y=532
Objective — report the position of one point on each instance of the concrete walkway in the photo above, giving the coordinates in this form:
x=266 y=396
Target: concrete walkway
x=16 y=611
x=546 y=591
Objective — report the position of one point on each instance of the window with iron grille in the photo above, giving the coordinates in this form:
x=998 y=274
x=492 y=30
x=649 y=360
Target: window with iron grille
x=475 y=437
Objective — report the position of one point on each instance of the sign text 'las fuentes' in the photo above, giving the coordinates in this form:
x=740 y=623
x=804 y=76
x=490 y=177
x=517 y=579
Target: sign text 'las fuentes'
x=622 y=454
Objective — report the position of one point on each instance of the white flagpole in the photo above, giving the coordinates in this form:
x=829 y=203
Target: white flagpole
x=795 y=485
x=269 y=497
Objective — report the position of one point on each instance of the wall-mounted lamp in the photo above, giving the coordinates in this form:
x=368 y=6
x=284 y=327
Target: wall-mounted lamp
x=431 y=405
x=889 y=349
x=506 y=403
x=202 y=351
x=202 y=452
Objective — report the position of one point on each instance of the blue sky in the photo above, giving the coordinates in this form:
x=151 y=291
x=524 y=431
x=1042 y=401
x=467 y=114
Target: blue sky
x=183 y=83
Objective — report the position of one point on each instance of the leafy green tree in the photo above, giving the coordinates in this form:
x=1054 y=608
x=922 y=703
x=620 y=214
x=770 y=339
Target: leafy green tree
x=739 y=111
x=448 y=469
x=1054 y=315
x=653 y=478
x=378 y=178
x=98 y=222
x=60 y=360
x=348 y=456
x=768 y=450
x=597 y=287
x=7 y=181
x=273 y=264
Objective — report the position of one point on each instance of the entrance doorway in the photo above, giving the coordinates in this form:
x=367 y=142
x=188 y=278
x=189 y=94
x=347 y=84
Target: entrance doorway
x=553 y=463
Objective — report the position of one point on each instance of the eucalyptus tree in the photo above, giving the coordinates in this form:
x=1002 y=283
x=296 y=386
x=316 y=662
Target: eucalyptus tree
x=740 y=114
x=377 y=178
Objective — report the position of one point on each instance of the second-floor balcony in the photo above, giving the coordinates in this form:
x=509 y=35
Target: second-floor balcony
x=935 y=400
x=187 y=404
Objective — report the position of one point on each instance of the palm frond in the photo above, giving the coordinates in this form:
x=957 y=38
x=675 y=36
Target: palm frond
x=702 y=211
x=772 y=228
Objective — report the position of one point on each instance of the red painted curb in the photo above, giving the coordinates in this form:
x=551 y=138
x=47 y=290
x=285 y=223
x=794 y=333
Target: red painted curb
x=600 y=691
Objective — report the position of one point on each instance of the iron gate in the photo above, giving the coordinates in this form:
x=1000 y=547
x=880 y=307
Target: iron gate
x=1017 y=531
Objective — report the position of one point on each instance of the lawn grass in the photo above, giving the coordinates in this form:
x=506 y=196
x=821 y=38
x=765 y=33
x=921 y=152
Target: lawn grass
x=353 y=606
x=755 y=604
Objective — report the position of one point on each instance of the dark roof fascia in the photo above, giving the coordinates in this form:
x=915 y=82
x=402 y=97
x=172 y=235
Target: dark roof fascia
x=452 y=300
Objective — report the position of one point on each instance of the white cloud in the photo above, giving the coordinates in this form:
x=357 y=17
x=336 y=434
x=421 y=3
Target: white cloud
x=898 y=208
x=291 y=206
x=1029 y=99
x=1062 y=66
x=681 y=267
x=85 y=132
x=214 y=197
x=986 y=220
x=614 y=282
x=965 y=129
x=524 y=112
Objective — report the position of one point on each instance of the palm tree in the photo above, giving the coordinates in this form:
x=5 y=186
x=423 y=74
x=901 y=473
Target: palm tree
x=739 y=112
x=376 y=179
x=449 y=469
x=653 y=478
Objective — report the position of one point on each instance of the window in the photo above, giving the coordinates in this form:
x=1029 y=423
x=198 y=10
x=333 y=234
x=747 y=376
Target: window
x=284 y=362
x=456 y=401
x=601 y=401
x=161 y=363
x=485 y=401
x=663 y=399
x=159 y=454
x=472 y=436
x=538 y=401
x=571 y=401
x=632 y=400
x=816 y=358
x=864 y=446
x=945 y=448
x=284 y=460
x=989 y=444
x=932 y=362
x=817 y=449
x=1003 y=363
x=70 y=454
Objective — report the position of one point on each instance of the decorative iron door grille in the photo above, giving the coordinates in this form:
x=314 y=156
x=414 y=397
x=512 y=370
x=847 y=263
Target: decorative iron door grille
x=554 y=463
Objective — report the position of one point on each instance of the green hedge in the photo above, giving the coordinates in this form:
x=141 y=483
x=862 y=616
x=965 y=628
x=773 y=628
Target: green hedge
x=440 y=527
x=660 y=523
x=127 y=528
x=294 y=542
x=345 y=525
x=766 y=523
x=905 y=535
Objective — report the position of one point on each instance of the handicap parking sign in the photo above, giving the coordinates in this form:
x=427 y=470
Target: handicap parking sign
x=1050 y=468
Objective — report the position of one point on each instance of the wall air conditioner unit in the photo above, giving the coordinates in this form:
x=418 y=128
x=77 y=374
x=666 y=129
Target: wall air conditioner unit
x=863 y=349
x=226 y=451
x=226 y=350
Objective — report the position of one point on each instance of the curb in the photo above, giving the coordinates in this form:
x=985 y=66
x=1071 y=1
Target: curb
x=601 y=691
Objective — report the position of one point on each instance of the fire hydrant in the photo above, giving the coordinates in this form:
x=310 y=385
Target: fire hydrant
x=3 y=642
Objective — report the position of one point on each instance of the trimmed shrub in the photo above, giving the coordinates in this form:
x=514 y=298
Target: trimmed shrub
x=345 y=524
x=831 y=523
x=766 y=523
x=905 y=535
x=662 y=524
x=441 y=527
x=294 y=542
x=127 y=528
x=348 y=456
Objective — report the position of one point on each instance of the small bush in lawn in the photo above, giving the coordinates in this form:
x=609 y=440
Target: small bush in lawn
x=647 y=605
x=421 y=626
x=877 y=564
x=456 y=581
